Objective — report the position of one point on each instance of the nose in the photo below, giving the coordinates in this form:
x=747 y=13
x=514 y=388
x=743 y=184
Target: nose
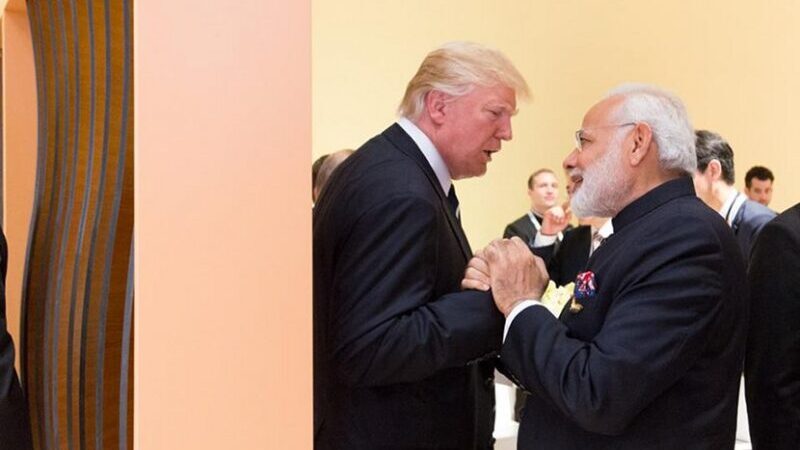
x=570 y=160
x=504 y=132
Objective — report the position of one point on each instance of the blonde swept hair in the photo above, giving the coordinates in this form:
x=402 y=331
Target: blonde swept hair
x=455 y=69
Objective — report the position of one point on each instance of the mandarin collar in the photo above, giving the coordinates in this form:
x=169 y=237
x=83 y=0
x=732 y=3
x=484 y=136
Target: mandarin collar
x=672 y=189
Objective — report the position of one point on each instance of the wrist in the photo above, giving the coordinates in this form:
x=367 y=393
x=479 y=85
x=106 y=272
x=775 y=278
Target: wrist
x=511 y=307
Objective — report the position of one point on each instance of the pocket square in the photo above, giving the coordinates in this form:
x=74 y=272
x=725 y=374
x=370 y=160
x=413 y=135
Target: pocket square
x=585 y=286
x=585 y=289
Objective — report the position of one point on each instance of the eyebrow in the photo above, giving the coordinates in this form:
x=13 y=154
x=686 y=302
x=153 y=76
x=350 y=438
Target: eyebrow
x=504 y=107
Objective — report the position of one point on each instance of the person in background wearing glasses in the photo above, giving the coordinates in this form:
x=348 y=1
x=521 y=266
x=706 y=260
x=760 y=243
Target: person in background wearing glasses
x=648 y=352
x=713 y=182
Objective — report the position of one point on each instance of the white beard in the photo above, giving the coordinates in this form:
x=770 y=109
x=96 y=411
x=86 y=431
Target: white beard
x=603 y=186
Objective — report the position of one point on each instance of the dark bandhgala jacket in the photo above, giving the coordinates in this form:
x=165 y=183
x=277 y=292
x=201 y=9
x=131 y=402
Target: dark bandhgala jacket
x=571 y=256
x=654 y=357
x=402 y=357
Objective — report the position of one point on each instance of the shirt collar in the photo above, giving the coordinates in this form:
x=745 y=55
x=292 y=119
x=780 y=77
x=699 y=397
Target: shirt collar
x=606 y=230
x=731 y=206
x=429 y=151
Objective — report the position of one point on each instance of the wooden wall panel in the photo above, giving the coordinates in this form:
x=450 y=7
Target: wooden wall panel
x=77 y=296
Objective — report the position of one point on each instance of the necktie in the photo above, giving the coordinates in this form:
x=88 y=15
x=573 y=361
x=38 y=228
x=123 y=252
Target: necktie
x=453 y=201
x=597 y=241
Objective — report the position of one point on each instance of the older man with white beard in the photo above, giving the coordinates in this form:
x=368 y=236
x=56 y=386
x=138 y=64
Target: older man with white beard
x=647 y=353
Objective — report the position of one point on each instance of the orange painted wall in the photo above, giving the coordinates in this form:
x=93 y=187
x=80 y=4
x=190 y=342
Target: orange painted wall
x=223 y=234
x=19 y=164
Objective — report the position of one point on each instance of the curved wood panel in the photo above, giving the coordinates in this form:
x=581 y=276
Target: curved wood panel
x=77 y=300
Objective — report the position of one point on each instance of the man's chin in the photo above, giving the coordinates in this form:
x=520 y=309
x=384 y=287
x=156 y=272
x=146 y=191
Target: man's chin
x=580 y=208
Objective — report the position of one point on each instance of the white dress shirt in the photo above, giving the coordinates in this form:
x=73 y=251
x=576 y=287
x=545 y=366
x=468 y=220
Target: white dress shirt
x=731 y=206
x=429 y=151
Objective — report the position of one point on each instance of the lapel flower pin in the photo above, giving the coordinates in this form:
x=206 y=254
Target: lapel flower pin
x=585 y=288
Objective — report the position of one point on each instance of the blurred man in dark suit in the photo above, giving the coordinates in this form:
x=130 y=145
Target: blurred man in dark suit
x=545 y=213
x=15 y=431
x=772 y=365
x=402 y=358
x=326 y=168
x=648 y=354
x=713 y=182
x=315 y=166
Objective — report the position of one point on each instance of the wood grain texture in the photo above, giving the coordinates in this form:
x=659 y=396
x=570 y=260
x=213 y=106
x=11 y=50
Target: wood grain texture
x=77 y=296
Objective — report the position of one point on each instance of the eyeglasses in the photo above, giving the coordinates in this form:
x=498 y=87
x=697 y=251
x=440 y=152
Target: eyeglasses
x=579 y=133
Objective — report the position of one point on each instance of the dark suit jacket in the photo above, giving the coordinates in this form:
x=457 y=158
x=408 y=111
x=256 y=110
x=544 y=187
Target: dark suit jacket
x=571 y=256
x=522 y=228
x=653 y=360
x=749 y=220
x=772 y=365
x=15 y=430
x=402 y=358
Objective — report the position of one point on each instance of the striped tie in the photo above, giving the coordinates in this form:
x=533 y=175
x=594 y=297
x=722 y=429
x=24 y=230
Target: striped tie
x=597 y=241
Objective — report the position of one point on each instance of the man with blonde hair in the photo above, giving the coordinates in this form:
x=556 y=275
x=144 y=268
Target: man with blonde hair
x=403 y=358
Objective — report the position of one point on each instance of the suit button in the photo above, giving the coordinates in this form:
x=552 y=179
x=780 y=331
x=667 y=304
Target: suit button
x=489 y=382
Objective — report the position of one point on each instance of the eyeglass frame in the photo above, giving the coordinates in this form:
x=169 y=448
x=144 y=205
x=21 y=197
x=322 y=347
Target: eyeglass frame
x=579 y=145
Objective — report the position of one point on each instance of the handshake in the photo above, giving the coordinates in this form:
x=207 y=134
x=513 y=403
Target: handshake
x=510 y=270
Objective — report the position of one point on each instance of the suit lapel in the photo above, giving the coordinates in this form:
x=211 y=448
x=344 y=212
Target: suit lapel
x=407 y=146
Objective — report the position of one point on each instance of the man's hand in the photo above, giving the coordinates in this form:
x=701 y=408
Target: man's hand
x=516 y=274
x=476 y=276
x=556 y=219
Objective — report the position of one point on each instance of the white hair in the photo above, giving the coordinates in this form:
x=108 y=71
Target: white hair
x=666 y=115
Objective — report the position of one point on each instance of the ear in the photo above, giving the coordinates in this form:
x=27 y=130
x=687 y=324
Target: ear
x=714 y=170
x=642 y=140
x=435 y=102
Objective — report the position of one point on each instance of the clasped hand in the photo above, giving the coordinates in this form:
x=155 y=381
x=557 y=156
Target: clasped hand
x=556 y=219
x=510 y=270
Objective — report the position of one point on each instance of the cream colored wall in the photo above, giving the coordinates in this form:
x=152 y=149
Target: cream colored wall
x=733 y=63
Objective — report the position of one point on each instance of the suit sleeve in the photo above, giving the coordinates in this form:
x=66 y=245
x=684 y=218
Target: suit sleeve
x=552 y=260
x=511 y=231
x=391 y=329
x=772 y=363
x=654 y=330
